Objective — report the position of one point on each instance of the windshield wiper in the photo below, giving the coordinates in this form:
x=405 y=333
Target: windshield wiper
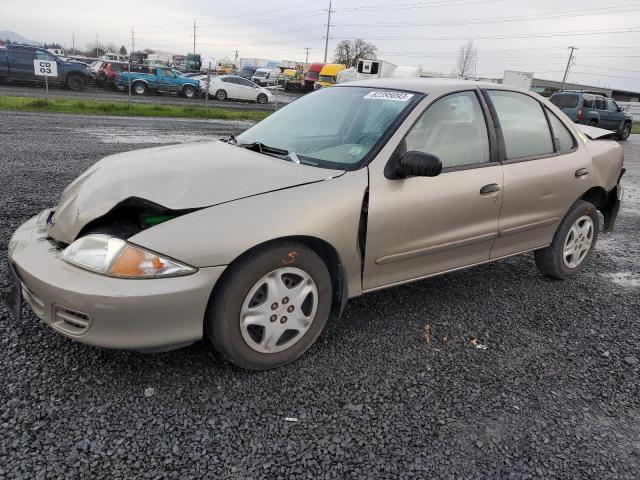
x=262 y=148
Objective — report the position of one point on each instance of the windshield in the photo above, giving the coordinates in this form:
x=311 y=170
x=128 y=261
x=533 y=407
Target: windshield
x=334 y=127
x=327 y=78
x=562 y=100
x=313 y=75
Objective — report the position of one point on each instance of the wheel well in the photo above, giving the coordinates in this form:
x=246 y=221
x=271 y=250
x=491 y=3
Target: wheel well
x=595 y=195
x=329 y=256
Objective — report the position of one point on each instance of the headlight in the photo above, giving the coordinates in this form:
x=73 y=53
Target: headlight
x=115 y=257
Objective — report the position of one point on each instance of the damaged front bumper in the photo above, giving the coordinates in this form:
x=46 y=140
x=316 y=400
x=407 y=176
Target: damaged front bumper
x=145 y=314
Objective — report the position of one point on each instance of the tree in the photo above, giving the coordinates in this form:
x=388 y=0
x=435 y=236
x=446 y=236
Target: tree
x=348 y=52
x=123 y=51
x=149 y=51
x=466 y=59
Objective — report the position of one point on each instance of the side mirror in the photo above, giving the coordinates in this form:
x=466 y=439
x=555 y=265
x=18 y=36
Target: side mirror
x=418 y=164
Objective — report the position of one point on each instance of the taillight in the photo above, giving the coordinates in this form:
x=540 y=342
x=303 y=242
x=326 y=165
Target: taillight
x=580 y=115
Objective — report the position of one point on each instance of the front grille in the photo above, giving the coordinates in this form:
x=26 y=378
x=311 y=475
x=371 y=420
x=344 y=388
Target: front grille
x=70 y=321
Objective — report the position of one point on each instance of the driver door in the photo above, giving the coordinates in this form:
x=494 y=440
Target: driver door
x=420 y=226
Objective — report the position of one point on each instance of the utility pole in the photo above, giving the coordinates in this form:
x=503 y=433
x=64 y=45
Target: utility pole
x=326 y=38
x=306 y=59
x=235 y=61
x=97 y=43
x=194 y=35
x=133 y=41
x=566 y=70
x=73 y=42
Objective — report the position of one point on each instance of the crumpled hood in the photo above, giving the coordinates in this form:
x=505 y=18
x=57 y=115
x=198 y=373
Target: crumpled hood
x=177 y=177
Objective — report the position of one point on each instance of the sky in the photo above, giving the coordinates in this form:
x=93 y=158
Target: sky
x=509 y=35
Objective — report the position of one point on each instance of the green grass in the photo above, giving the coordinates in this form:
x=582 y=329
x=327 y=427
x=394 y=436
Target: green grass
x=97 y=107
x=635 y=128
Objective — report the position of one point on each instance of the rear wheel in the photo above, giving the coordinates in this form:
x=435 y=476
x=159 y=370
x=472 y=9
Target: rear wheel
x=572 y=243
x=75 y=82
x=625 y=132
x=189 y=92
x=139 y=88
x=262 y=98
x=221 y=94
x=272 y=305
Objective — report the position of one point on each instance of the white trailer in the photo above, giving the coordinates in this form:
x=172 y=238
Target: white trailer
x=366 y=69
x=518 y=79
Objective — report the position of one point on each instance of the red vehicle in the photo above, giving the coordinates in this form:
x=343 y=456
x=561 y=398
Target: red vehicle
x=107 y=73
x=312 y=76
x=305 y=83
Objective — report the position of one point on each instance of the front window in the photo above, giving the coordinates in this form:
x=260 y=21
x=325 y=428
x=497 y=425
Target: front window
x=454 y=130
x=327 y=78
x=313 y=75
x=335 y=127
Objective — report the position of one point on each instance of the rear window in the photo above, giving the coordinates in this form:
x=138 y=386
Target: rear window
x=564 y=100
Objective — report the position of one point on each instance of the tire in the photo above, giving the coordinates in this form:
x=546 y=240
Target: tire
x=262 y=98
x=221 y=94
x=582 y=224
x=593 y=122
x=139 y=88
x=75 y=82
x=625 y=132
x=189 y=92
x=248 y=345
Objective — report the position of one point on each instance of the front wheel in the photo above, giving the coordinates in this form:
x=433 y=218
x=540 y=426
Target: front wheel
x=271 y=306
x=221 y=95
x=262 y=98
x=572 y=243
x=625 y=132
x=189 y=92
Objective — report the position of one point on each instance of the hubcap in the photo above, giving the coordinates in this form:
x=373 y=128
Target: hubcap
x=139 y=89
x=278 y=310
x=578 y=242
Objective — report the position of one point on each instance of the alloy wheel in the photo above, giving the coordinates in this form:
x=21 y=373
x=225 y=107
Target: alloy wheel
x=578 y=242
x=278 y=310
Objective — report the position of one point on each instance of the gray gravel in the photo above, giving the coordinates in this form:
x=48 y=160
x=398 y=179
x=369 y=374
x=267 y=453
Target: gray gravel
x=554 y=394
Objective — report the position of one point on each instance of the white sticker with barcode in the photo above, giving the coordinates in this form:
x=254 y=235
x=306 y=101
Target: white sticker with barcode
x=389 y=95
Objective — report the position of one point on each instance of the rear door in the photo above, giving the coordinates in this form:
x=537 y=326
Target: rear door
x=247 y=89
x=420 y=226
x=545 y=171
x=167 y=80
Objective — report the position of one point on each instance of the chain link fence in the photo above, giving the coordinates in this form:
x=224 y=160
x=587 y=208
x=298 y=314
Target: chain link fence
x=32 y=72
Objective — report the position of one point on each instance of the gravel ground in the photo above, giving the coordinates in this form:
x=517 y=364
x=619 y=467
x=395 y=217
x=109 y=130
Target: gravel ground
x=554 y=394
x=95 y=93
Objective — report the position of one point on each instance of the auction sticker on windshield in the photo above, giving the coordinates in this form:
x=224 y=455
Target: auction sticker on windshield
x=389 y=95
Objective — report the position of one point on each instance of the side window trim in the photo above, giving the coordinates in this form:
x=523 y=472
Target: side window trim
x=556 y=145
x=500 y=134
x=493 y=154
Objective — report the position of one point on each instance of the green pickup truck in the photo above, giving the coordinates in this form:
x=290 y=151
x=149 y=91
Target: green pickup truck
x=158 y=79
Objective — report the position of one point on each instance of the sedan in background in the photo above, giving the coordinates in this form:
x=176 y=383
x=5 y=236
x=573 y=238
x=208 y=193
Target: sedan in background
x=236 y=88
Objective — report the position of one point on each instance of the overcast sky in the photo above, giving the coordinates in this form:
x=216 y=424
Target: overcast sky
x=514 y=35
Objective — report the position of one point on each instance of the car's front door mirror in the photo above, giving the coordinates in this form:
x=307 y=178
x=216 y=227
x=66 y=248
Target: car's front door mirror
x=418 y=164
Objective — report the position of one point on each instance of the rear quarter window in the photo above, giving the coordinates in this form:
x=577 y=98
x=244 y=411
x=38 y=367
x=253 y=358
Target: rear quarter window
x=564 y=100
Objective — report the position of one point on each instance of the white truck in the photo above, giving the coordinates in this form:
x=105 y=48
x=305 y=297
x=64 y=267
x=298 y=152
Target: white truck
x=365 y=69
x=517 y=79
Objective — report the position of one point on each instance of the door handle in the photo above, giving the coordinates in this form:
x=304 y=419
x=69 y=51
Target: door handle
x=581 y=173
x=491 y=188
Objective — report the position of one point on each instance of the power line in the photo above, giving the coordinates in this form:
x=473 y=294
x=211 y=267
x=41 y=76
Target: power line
x=406 y=6
x=498 y=37
x=491 y=20
x=604 y=75
x=607 y=68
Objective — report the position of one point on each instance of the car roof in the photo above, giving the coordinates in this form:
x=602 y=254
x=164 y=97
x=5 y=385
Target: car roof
x=427 y=85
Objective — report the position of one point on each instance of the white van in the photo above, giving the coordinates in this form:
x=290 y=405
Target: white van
x=266 y=77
